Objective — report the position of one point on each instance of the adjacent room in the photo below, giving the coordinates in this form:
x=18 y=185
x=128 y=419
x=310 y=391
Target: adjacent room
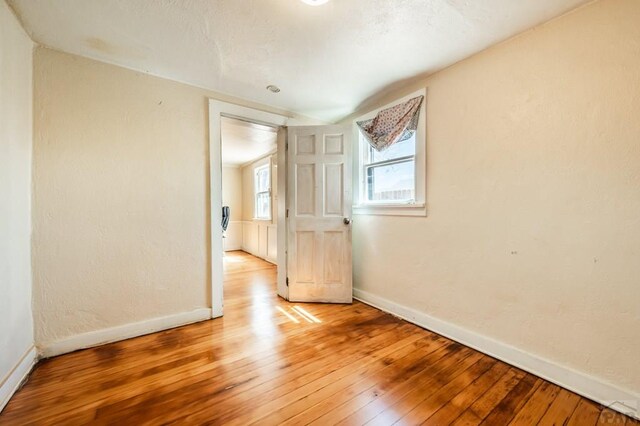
x=320 y=212
x=249 y=155
x=249 y=188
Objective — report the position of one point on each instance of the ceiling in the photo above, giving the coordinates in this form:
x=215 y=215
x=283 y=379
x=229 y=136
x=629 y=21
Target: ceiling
x=243 y=142
x=326 y=59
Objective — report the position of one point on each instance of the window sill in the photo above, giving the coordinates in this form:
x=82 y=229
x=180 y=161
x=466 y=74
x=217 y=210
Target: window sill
x=413 y=209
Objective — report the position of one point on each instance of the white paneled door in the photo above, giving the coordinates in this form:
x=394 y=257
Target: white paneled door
x=319 y=214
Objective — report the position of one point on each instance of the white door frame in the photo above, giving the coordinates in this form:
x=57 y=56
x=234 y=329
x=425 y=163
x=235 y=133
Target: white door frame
x=218 y=109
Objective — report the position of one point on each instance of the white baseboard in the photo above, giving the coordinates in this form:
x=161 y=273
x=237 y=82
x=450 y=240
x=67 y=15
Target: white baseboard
x=126 y=331
x=11 y=383
x=622 y=400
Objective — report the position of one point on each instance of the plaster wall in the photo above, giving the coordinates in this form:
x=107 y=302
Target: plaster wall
x=533 y=197
x=232 y=191
x=16 y=94
x=232 y=197
x=121 y=196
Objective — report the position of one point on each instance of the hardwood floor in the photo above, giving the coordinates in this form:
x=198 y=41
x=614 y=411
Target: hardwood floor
x=271 y=362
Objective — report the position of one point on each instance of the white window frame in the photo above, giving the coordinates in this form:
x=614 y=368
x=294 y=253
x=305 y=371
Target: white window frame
x=257 y=193
x=416 y=207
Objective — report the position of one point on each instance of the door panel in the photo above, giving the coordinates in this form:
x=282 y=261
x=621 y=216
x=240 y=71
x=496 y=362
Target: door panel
x=334 y=144
x=333 y=257
x=333 y=196
x=305 y=241
x=319 y=201
x=305 y=144
x=305 y=183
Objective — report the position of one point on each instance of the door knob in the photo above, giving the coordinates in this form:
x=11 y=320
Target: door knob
x=346 y=221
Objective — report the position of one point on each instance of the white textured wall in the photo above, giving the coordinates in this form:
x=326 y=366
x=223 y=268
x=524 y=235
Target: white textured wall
x=121 y=201
x=232 y=190
x=533 y=191
x=232 y=197
x=16 y=325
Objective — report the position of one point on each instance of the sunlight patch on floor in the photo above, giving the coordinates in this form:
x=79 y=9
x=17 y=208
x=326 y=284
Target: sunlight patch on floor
x=233 y=259
x=303 y=312
x=297 y=311
x=288 y=315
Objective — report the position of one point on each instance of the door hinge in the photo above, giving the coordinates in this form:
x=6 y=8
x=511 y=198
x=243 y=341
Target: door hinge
x=287 y=280
x=286 y=214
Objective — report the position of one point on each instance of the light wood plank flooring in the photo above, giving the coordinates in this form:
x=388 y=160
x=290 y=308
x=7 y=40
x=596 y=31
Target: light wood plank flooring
x=271 y=362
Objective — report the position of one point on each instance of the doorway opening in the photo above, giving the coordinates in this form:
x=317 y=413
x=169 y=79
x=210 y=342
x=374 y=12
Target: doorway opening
x=312 y=208
x=249 y=201
x=246 y=171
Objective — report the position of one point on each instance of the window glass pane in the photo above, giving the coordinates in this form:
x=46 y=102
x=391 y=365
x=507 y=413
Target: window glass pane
x=397 y=150
x=262 y=179
x=393 y=182
x=263 y=205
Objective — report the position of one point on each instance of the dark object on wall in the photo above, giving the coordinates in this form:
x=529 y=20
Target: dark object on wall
x=226 y=214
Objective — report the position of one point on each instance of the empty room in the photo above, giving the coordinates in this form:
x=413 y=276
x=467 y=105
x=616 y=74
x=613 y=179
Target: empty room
x=235 y=212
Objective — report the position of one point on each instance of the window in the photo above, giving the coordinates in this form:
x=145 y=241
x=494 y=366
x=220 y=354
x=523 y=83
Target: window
x=392 y=182
x=262 y=190
x=389 y=176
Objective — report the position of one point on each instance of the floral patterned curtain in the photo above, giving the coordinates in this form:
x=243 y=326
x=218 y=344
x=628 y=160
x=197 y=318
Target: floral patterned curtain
x=392 y=125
